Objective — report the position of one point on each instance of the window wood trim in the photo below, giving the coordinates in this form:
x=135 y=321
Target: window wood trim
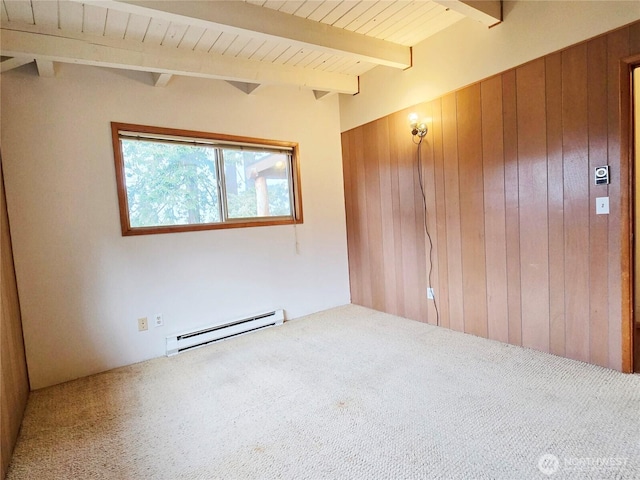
x=125 y=224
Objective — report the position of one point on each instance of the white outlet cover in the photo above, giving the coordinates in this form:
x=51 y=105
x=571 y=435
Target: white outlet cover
x=602 y=205
x=158 y=321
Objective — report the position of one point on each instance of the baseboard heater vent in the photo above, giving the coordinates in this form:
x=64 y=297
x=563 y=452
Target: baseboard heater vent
x=198 y=338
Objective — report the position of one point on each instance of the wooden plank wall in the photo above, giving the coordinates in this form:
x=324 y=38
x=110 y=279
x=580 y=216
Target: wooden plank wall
x=14 y=383
x=519 y=254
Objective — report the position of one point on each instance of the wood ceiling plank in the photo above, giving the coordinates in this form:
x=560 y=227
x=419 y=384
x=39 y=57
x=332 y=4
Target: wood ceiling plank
x=320 y=60
x=222 y=43
x=340 y=64
x=328 y=63
x=250 y=48
x=5 y=17
x=19 y=11
x=94 y=20
x=290 y=7
x=137 y=27
x=243 y=18
x=417 y=25
x=191 y=37
x=264 y=50
x=416 y=22
x=365 y=17
x=324 y=9
x=399 y=16
x=117 y=22
x=357 y=11
x=394 y=27
x=308 y=8
x=71 y=15
x=156 y=31
x=358 y=68
x=45 y=13
x=338 y=12
x=300 y=56
x=53 y=45
x=237 y=46
x=275 y=52
x=286 y=55
x=306 y=61
x=436 y=24
x=174 y=35
x=208 y=39
x=392 y=8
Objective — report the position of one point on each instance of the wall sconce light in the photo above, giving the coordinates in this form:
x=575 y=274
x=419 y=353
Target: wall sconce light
x=418 y=128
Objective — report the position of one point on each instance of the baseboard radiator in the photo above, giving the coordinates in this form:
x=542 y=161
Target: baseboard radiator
x=203 y=336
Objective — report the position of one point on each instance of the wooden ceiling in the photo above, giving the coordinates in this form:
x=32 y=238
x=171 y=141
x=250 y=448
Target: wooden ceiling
x=320 y=45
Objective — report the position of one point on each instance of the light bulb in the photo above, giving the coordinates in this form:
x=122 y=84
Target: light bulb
x=413 y=120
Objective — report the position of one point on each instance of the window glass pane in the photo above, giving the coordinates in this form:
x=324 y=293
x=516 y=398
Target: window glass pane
x=257 y=183
x=170 y=184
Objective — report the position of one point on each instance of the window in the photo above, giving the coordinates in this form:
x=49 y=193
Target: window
x=176 y=181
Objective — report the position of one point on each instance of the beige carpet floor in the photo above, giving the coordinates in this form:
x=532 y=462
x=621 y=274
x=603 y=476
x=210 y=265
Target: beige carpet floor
x=344 y=394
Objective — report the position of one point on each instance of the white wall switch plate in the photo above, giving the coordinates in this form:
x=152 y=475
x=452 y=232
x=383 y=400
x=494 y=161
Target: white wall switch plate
x=602 y=205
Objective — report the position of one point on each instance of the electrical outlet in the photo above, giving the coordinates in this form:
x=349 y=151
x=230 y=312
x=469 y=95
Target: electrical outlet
x=430 y=294
x=143 y=324
x=158 y=321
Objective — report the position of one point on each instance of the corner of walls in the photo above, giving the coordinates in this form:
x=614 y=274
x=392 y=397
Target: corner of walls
x=83 y=285
x=467 y=52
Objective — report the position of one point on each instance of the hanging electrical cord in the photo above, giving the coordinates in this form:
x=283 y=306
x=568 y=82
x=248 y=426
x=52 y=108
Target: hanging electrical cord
x=420 y=133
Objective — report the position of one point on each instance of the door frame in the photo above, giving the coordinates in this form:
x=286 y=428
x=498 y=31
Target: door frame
x=627 y=172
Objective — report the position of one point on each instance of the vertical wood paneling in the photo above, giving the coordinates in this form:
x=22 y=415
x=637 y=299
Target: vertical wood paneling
x=598 y=224
x=576 y=200
x=519 y=253
x=386 y=206
x=472 y=210
x=442 y=287
x=395 y=138
x=512 y=206
x=371 y=179
x=452 y=211
x=407 y=182
x=351 y=213
x=428 y=164
x=14 y=382
x=359 y=229
x=555 y=169
x=532 y=193
x=420 y=219
x=494 y=209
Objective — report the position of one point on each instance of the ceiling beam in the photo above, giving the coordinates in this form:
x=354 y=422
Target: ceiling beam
x=245 y=87
x=244 y=18
x=46 y=68
x=51 y=44
x=488 y=12
x=15 y=62
x=320 y=94
x=161 y=79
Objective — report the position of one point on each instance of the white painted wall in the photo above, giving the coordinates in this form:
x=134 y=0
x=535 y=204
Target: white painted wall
x=468 y=52
x=83 y=286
